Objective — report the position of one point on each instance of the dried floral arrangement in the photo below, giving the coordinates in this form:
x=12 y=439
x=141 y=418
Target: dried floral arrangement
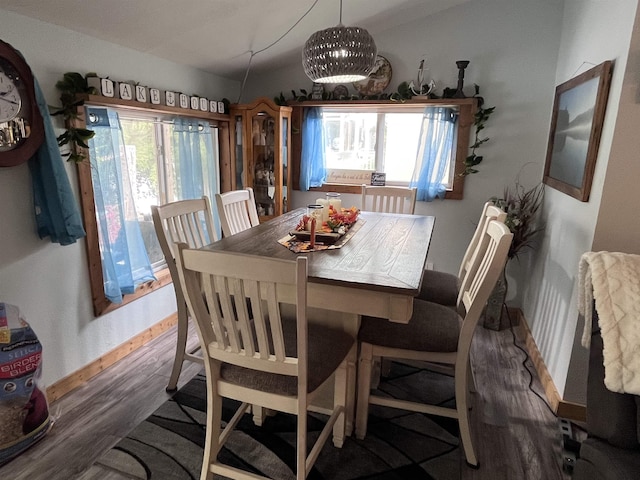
x=522 y=207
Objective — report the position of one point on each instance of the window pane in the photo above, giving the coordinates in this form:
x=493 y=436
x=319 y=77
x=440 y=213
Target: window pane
x=140 y=144
x=351 y=140
x=402 y=132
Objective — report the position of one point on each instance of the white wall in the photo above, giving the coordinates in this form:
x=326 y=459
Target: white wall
x=593 y=32
x=48 y=282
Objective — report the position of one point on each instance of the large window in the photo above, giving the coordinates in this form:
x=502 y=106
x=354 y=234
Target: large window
x=137 y=159
x=412 y=143
x=385 y=142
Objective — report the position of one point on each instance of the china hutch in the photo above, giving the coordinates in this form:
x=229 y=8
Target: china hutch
x=260 y=154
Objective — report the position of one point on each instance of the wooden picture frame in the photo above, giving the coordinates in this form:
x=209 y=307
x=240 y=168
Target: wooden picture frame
x=574 y=136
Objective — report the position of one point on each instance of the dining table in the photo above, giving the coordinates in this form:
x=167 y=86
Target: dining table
x=377 y=272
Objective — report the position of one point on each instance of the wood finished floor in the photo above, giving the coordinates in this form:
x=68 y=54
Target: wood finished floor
x=515 y=434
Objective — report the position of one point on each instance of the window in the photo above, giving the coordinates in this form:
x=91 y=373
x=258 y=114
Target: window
x=361 y=137
x=139 y=158
x=373 y=142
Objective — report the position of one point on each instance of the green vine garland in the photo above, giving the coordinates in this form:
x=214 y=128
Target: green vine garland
x=404 y=93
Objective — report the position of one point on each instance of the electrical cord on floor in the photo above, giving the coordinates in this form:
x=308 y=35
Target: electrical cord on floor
x=524 y=362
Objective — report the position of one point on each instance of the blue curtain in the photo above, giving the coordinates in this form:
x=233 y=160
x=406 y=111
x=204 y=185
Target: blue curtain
x=312 y=164
x=196 y=174
x=434 y=152
x=125 y=263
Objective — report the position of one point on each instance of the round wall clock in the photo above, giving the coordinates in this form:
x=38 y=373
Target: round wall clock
x=21 y=127
x=378 y=79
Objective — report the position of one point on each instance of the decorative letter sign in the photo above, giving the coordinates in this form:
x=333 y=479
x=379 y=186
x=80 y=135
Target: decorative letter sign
x=170 y=98
x=106 y=87
x=154 y=96
x=184 y=101
x=126 y=91
x=141 y=93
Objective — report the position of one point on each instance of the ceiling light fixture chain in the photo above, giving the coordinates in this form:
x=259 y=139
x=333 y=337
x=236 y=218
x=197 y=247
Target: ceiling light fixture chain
x=254 y=53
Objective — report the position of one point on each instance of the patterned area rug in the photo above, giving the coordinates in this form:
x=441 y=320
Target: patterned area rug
x=398 y=445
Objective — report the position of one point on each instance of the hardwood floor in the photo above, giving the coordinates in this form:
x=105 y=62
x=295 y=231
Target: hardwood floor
x=516 y=435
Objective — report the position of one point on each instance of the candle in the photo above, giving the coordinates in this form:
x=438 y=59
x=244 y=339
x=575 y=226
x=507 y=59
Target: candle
x=325 y=208
x=312 y=239
x=334 y=201
x=313 y=212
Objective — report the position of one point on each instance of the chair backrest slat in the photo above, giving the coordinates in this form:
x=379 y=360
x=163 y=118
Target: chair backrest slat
x=388 y=199
x=237 y=211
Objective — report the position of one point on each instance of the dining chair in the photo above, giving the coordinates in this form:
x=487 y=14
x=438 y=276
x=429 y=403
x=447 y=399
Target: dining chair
x=237 y=211
x=435 y=333
x=388 y=199
x=275 y=358
x=191 y=222
x=444 y=288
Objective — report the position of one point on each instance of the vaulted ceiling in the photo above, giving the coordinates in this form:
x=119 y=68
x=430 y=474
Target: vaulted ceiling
x=218 y=36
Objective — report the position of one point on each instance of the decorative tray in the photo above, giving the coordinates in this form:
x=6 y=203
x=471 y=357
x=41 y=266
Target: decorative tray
x=323 y=237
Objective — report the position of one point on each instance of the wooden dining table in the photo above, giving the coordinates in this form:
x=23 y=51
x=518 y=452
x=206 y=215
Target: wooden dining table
x=377 y=272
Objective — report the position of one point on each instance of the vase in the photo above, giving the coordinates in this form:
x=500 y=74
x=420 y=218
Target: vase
x=496 y=303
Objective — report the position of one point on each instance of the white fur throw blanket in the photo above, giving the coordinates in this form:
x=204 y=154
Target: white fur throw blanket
x=613 y=280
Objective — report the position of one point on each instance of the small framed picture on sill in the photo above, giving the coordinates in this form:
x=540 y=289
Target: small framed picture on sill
x=378 y=179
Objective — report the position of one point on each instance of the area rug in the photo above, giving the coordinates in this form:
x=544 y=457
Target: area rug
x=399 y=445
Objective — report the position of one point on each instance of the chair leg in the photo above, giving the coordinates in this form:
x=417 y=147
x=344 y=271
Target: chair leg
x=181 y=345
x=214 y=421
x=301 y=443
x=462 y=392
x=364 y=387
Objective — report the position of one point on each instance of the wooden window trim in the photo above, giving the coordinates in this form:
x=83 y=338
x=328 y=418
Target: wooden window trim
x=467 y=106
x=101 y=304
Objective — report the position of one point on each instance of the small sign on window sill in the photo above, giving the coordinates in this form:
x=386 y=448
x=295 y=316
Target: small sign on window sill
x=349 y=177
x=378 y=179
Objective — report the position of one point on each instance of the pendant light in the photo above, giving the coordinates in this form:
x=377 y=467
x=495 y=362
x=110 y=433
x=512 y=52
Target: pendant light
x=339 y=54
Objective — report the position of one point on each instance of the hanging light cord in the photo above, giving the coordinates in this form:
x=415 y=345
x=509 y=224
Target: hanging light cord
x=253 y=54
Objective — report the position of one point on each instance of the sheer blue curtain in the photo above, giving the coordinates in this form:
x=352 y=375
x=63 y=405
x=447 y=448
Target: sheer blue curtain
x=435 y=149
x=312 y=164
x=125 y=263
x=196 y=162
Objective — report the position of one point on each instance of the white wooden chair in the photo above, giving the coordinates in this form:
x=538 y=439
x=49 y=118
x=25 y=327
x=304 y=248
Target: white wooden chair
x=275 y=359
x=388 y=199
x=237 y=211
x=444 y=288
x=191 y=222
x=435 y=334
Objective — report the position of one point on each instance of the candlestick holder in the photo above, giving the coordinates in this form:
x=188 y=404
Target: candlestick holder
x=462 y=64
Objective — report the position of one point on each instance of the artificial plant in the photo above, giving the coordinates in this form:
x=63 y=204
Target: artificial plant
x=70 y=86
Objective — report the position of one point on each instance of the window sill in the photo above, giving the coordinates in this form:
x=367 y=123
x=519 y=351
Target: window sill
x=357 y=189
x=105 y=306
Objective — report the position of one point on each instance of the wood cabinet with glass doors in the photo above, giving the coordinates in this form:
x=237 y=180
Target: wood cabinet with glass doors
x=261 y=135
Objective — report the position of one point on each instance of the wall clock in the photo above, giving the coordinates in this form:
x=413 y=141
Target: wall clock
x=21 y=127
x=378 y=79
